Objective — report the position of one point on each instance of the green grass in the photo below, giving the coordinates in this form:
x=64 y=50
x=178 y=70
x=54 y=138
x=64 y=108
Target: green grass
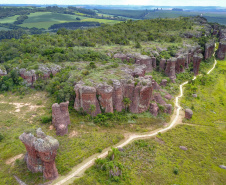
x=161 y=161
x=9 y=19
x=46 y=19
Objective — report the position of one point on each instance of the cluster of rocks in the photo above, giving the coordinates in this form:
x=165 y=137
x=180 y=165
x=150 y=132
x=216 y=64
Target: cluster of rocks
x=44 y=71
x=172 y=66
x=209 y=49
x=110 y=97
x=222 y=45
x=60 y=117
x=41 y=153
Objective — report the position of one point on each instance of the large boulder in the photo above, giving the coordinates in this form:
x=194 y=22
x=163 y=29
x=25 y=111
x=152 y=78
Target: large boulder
x=60 y=117
x=196 y=63
x=41 y=153
x=221 y=52
x=188 y=113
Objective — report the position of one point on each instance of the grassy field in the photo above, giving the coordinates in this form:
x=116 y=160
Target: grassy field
x=9 y=19
x=46 y=19
x=210 y=16
x=161 y=161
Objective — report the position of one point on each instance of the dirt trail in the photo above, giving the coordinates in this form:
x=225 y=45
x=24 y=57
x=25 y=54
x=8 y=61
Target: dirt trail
x=176 y=119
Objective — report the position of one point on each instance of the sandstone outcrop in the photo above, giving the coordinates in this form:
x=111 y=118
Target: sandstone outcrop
x=196 y=63
x=145 y=60
x=110 y=97
x=153 y=62
x=44 y=71
x=155 y=85
x=221 y=52
x=41 y=153
x=168 y=108
x=139 y=71
x=180 y=64
x=86 y=97
x=162 y=65
x=158 y=99
x=188 y=113
x=60 y=117
x=163 y=83
x=209 y=50
x=154 y=109
x=170 y=68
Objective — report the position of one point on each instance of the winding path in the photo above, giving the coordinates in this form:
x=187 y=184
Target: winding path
x=79 y=169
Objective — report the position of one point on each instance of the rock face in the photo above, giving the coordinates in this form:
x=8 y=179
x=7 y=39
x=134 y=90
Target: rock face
x=222 y=50
x=60 y=117
x=145 y=60
x=163 y=83
x=154 y=109
x=170 y=68
x=43 y=72
x=41 y=153
x=110 y=98
x=209 y=50
x=196 y=63
x=180 y=64
x=158 y=99
x=86 y=97
x=139 y=71
x=162 y=65
x=188 y=113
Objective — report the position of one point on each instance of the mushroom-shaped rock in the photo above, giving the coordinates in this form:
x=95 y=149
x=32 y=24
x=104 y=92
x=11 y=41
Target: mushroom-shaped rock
x=168 y=108
x=41 y=153
x=154 y=109
x=188 y=113
x=60 y=117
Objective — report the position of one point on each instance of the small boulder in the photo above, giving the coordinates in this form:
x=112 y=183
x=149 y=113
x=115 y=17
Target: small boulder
x=168 y=108
x=163 y=83
x=154 y=109
x=195 y=95
x=188 y=113
x=223 y=167
x=183 y=148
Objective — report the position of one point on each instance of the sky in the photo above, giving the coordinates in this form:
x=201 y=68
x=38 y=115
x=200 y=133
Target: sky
x=123 y=2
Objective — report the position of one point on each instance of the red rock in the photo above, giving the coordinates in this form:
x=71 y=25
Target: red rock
x=155 y=85
x=120 y=56
x=180 y=64
x=170 y=68
x=29 y=76
x=117 y=96
x=104 y=93
x=162 y=65
x=139 y=71
x=158 y=99
x=221 y=52
x=41 y=153
x=154 y=109
x=168 y=108
x=196 y=63
x=209 y=50
x=163 y=83
x=60 y=118
x=85 y=97
x=145 y=60
x=168 y=96
x=153 y=62
x=188 y=113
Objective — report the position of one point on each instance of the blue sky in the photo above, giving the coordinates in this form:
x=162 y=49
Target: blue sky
x=123 y=2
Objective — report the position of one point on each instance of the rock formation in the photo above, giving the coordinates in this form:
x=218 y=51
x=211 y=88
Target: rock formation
x=139 y=71
x=170 y=68
x=221 y=50
x=188 y=113
x=158 y=99
x=162 y=65
x=168 y=108
x=44 y=71
x=163 y=83
x=196 y=63
x=144 y=60
x=109 y=98
x=86 y=97
x=41 y=153
x=209 y=50
x=60 y=117
x=154 y=109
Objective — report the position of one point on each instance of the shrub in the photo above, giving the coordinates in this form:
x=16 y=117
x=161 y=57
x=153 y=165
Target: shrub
x=46 y=119
x=176 y=171
x=1 y=137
